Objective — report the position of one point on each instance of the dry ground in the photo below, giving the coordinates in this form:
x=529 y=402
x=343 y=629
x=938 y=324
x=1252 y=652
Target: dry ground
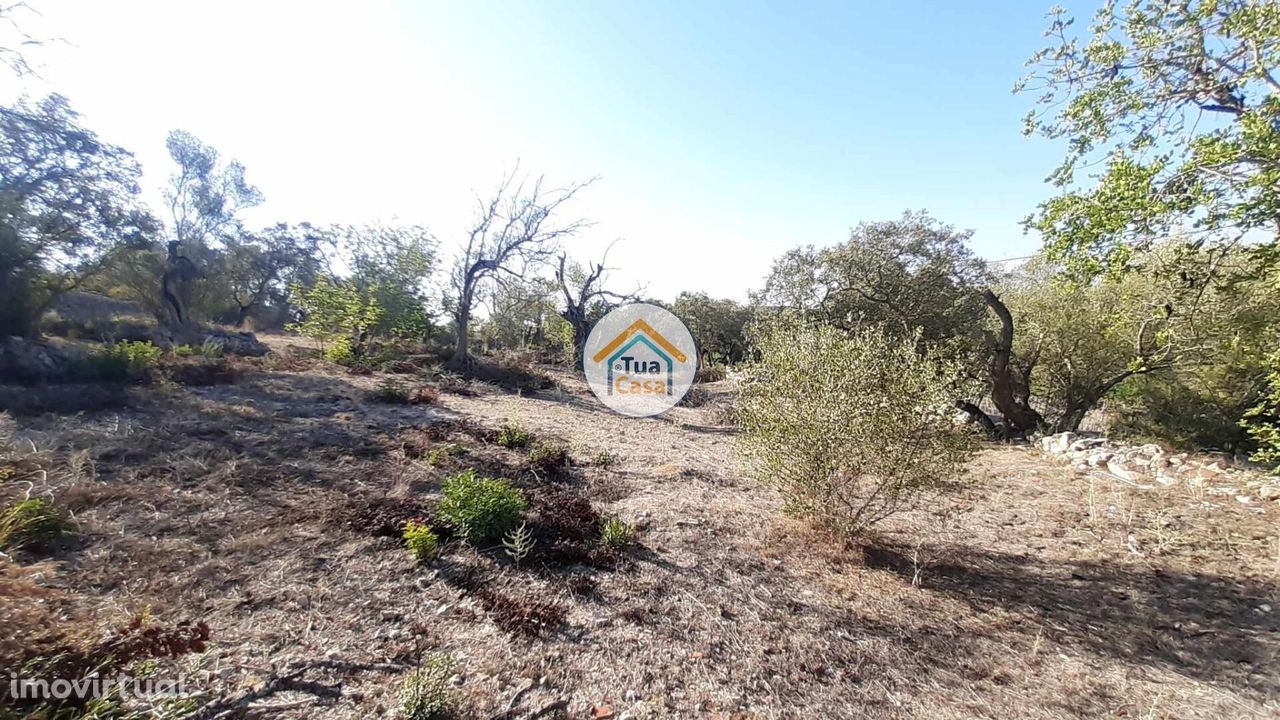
x=250 y=507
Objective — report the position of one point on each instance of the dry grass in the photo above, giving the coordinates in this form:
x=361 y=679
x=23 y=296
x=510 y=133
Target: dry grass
x=270 y=509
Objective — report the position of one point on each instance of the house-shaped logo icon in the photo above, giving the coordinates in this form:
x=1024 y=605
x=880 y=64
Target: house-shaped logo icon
x=620 y=356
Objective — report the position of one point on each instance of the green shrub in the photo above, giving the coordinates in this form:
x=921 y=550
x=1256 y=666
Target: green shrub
x=421 y=540
x=616 y=533
x=425 y=693
x=851 y=427
x=1262 y=422
x=480 y=507
x=513 y=436
x=184 y=350
x=34 y=521
x=548 y=457
x=604 y=459
x=121 y=362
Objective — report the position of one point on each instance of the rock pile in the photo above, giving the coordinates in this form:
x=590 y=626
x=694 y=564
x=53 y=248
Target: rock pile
x=1149 y=466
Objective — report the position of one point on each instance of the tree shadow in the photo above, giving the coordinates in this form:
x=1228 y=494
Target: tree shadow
x=1204 y=626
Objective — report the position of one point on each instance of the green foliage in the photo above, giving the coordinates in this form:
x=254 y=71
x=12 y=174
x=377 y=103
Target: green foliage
x=518 y=543
x=391 y=265
x=909 y=276
x=616 y=533
x=604 y=459
x=481 y=508
x=421 y=540
x=513 y=436
x=337 y=314
x=120 y=362
x=719 y=327
x=425 y=693
x=1177 y=103
x=68 y=202
x=438 y=455
x=1262 y=421
x=33 y=521
x=851 y=427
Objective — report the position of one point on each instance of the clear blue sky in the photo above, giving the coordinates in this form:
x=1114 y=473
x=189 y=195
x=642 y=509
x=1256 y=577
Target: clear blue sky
x=723 y=133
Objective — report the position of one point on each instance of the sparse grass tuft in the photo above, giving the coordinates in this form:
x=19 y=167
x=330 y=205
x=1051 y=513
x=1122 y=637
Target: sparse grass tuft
x=422 y=541
x=616 y=533
x=548 y=457
x=34 y=521
x=439 y=455
x=481 y=508
x=425 y=693
x=604 y=459
x=397 y=393
x=513 y=436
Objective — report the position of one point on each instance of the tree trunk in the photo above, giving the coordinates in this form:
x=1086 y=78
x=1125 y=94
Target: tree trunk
x=462 y=349
x=1008 y=397
x=976 y=415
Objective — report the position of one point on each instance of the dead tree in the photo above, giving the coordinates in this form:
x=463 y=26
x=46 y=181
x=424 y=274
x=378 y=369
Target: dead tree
x=583 y=291
x=513 y=231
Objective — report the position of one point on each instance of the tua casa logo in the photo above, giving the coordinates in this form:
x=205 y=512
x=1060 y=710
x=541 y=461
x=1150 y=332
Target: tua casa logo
x=640 y=360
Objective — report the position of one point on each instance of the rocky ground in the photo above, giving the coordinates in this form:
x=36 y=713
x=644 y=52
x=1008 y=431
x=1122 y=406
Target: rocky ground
x=258 y=507
x=1150 y=465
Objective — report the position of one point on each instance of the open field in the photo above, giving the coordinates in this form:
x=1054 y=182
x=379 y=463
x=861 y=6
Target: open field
x=266 y=509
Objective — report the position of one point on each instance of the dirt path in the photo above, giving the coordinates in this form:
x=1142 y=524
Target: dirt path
x=1035 y=595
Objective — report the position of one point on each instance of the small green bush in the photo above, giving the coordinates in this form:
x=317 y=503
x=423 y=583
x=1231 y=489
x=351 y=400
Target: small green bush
x=421 y=540
x=1262 y=422
x=121 y=362
x=479 y=507
x=425 y=693
x=616 y=533
x=851 y=427
x=548 y=457
x=339 y=352
x=34 y=521
x=212 y=349
x=513 y=436
x=604 y=459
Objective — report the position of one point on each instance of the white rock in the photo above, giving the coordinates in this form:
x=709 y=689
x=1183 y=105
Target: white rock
x=1100 y=459
x=1119 y=470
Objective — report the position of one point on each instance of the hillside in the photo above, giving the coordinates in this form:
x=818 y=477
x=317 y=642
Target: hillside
x=268 y=508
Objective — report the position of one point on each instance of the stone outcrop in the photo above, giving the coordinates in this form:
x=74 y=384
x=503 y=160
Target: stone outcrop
x=1151 y=466
x=31 y=361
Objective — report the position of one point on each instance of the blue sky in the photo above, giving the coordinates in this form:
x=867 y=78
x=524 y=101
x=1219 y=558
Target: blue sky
x=722 y=133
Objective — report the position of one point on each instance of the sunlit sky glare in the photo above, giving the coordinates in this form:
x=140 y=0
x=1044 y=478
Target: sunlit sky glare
x=722 y=133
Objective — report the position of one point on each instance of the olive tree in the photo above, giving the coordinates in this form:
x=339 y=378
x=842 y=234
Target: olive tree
x=851 y=426
x=913 y=275
x=1177 y=105
x=68 y=202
